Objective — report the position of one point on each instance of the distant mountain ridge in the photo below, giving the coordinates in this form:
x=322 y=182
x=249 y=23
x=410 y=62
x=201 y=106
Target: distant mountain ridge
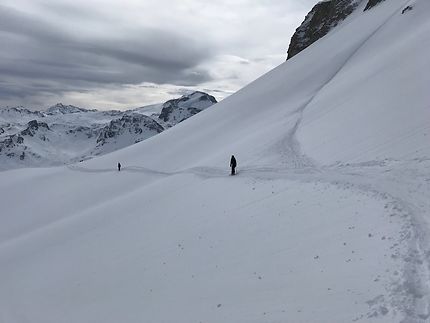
x=177 y=110
x=64 y=109
x=64 y=134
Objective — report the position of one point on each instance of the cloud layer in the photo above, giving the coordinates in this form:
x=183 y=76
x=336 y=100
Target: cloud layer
x=111 y=54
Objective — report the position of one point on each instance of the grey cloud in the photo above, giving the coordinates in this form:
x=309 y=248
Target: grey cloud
x=107 y=50
x=72 y=11
x=39 y=50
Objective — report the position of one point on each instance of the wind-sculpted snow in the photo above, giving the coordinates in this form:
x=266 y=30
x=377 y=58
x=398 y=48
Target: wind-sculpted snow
x=326 y=221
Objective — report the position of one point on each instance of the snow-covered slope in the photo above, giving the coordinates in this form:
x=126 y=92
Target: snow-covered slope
x=384 y=78
x=327 y=220
x=69 y=134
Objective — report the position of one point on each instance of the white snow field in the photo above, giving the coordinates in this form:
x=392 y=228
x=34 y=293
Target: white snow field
x=326 y=221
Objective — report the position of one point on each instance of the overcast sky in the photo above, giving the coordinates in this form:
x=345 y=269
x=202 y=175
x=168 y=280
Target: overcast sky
x=111 y=54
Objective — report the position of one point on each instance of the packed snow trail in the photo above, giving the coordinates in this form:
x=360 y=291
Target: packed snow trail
x=414 y=288
x=291 y=150
x=265 y=249
x=407 y=183
x=288 y=237
x=295 y=237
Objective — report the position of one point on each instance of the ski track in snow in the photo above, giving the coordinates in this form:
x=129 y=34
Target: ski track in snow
x=402 y=186
x=290 y=147
x=411 y=296
x=410 y=293
x=382 y=180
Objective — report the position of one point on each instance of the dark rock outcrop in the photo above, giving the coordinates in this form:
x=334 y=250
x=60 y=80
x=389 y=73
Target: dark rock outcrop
x=138 y=126
x=372 y=3
x=33 y=126
x=177 y=110
x=60 y=108
x=11 y=142
x=89 y=132
x=323 y=17
x=21 y=111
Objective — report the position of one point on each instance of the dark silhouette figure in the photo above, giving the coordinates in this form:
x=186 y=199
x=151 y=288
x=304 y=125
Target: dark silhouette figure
x=119 y=167
x=233 y=165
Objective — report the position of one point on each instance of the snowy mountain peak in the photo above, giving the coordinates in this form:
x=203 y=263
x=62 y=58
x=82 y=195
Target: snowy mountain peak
x=66 y=133
x=129 y=129
x=60 y=108
x=34 y=125
x=177 y=110
x=200 y=96
x=18 y=111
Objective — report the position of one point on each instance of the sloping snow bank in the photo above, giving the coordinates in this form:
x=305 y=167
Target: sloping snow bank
x=172 y=238
x=378 y=105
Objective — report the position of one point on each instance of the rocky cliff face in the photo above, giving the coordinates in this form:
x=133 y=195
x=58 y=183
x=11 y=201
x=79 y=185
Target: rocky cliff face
x=14 y=146
x=33 y=127
x=323 y=17
x=372 y=3
x=177 y=110
x=130 y=129
x=60 y=108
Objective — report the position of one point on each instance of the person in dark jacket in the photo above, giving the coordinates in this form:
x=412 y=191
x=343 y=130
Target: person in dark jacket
x=233 y=165
x=119 y=167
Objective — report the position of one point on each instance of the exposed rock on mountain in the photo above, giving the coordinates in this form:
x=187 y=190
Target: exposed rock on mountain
x=372 y=3
x=33 y=127
x=10 y=113
x=177 y=110
x=323 y=17
x=64 y=109
x=22 y=110
x=130 y=129
x=66 y=133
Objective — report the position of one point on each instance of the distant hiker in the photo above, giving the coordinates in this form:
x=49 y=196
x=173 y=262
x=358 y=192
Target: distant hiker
x=233 y=164
x=119 y=167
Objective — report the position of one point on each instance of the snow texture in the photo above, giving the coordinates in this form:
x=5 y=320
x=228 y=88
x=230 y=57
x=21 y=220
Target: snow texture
x=326 y=221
